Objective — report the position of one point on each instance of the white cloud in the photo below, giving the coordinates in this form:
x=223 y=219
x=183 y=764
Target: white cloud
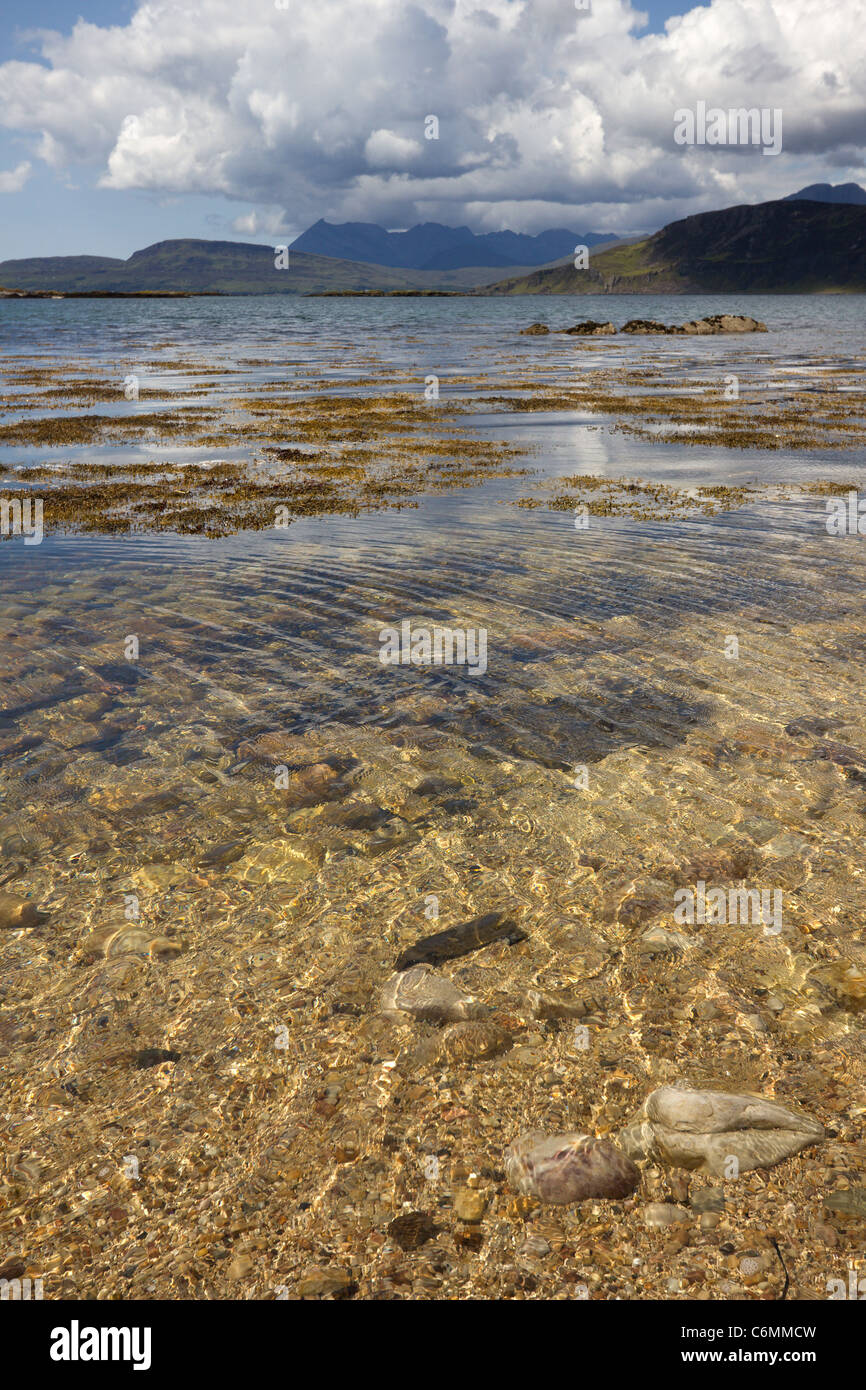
x=260 y=223
x=13 y=180
x=547 y=115
x=387 y=150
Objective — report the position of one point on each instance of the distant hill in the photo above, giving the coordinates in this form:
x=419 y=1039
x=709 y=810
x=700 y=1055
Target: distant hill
x=784 y=247
x=231 y=267
x=76 y=272
x=432 y=246
x=831 y=193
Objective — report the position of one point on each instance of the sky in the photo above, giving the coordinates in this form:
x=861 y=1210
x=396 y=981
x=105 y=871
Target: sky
x=124 y=123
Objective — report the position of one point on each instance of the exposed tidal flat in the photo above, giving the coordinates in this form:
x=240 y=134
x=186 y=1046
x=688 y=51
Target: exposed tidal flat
x=229 y=1067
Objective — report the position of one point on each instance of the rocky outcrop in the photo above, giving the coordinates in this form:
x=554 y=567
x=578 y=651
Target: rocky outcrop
x=725 y=323
x=714 y=323
x=534 y=330
x=590 y=328
x=646 y=326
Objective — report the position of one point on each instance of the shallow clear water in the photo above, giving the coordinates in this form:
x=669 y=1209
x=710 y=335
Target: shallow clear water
x=609 y=660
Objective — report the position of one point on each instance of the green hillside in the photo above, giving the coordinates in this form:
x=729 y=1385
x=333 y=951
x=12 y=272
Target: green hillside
x=226 y=267
x=771 y=248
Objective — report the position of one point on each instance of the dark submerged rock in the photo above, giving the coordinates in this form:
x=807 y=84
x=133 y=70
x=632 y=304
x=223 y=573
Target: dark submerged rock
x=460 y=940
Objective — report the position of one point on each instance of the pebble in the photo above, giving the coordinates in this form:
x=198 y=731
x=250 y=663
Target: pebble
x=705 y=1129
x=318 y=1282
x=784 y=845
x=240 y=1267
x=657 y=1215
x=707 y=1010
x=412 y=1229
x=155 y=878
x=850 y=1204
x=163 y=947
x=154 y=1056
x=568 y=1167
x=534 y=1247
x=708 y=1199
x=663 y=941
x=18 y=912
x=555 y=1004
x=753 y=1022
x=128 y=941
x=220 y=855
x=825 y=1234
x=847 y=979
x=469 y=1205
x=438 y=786
x=474 y=1041
x=425 y=995
x=679 y=1187
x=460 y=940
x=279 y=747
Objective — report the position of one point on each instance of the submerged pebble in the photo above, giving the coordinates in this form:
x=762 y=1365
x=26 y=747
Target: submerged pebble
x=460 y=940
x=473 y=1041
x=154 y=1057
x=708 y=1199
x=428 y=997
x=568 y=1167
x=278 y=746
x=18 y=912
x=223 y=854
x=469 y=1204
x=663 y=941
x=412 y=1229
x=850 y=1203
x=128 y=940
x=659 y=1215
x=706 y=1130
x=534 y=1247
x=319 y=1282
x=557 y=1003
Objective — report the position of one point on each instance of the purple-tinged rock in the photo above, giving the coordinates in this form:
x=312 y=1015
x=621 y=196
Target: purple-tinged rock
x=568 y=1167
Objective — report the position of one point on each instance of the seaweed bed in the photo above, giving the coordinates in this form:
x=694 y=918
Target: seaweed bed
x=311 y=449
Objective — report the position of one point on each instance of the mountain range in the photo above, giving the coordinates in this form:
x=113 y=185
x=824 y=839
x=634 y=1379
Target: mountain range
x=350 y=256
x=812 y=241
x=432 y=246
